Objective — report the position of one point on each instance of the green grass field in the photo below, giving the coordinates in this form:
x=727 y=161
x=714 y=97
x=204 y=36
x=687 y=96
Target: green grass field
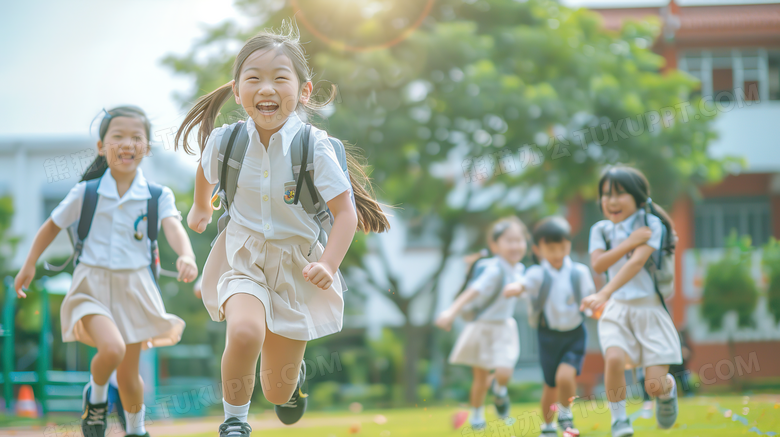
x=699 y=416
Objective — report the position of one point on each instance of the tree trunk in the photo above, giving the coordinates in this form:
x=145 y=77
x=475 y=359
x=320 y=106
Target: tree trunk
x=414 y=339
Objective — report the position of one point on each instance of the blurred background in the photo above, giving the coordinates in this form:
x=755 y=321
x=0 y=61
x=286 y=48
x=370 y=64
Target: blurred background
x=466 y=110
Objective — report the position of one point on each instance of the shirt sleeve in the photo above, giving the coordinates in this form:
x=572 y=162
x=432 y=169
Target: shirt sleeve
x=209 y=159
x=491 y=278
x=69 y=210
x=587 y=286
x=329 y=178
x=167 y=205
x=532 y=281
x=596 y=241
x=656 y=227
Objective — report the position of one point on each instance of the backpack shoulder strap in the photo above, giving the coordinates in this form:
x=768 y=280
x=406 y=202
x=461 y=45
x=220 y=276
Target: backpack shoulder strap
x=152 y=210
x=232 y=150
x=88 y=207
x=541 y=299
x=576 y=283
x=494 y=296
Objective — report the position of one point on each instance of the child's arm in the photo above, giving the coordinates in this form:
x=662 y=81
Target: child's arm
x=320 y=273
x=180 y=243
x=200 y=213
x=445 y=319
x=602 y=260
x=630 y=269
x=46 y=234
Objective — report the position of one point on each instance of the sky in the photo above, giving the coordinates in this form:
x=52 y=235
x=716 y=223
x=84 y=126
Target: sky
x=62 y=62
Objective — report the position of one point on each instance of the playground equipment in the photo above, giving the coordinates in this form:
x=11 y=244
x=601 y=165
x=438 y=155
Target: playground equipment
x=56 y=390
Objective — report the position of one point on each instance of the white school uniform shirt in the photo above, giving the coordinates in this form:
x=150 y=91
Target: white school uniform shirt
x=495 y=275
x=641 y=285
x=561 y=310
x=259 y=200
x=111 y=241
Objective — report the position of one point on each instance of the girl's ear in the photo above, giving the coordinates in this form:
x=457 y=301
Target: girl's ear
x=101 y=150
x=306 y=93
x=235 y=91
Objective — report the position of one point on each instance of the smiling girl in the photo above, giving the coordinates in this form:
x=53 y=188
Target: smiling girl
x=114 y=302
x=261 y=276
x=634 y=329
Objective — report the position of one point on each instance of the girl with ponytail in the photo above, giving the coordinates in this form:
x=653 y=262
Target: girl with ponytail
x=114 y=302
x=261 y=277
x=635 y=330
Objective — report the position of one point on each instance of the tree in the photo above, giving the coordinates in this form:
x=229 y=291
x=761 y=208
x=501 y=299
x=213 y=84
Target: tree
x=483 y=109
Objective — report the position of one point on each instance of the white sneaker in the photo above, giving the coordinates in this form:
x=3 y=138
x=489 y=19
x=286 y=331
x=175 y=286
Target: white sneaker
x=622 y=428
x=647 y=410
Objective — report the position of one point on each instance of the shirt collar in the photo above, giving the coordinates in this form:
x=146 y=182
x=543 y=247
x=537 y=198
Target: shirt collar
x=139 y=189
x=628 y=223
x=566 y=264
x=287 y=132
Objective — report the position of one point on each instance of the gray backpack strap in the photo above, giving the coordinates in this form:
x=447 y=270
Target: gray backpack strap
x=232 y=150
x=541 y=300
x=576 y=283
x=305 y=191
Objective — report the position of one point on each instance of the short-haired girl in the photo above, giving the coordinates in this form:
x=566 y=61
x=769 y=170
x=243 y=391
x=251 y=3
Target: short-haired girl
x=490 y=342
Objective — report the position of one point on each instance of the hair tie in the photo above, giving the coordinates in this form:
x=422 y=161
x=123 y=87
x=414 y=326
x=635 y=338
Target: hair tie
x=649 y=201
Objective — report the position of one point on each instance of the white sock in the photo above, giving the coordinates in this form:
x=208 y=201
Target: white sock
x=135 y=422
x=548 y=426
x=618 y=410
x=671 y=380
x=98 y=393
x=478 y=414
x=240 y=412
x=564 y=412
x=500 y=390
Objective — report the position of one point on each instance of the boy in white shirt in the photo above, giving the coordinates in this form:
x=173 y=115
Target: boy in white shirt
x=555 y=288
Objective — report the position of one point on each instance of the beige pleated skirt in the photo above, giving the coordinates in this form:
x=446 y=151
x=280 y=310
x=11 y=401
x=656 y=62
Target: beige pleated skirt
x=128 y=297
x=488 y=344
x=643 y=329
x=243 y=261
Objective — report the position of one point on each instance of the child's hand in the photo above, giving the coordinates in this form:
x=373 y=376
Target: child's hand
x=445 y=319
x=188 y=270
x=23 y=278
x=317 y=273
x=198 y=219
x=640 y=236
x=594 y=301
x=513 y=289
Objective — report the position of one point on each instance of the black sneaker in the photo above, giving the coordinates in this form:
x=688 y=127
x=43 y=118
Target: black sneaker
x=233 y=427
x=564 y=423
x=93 y=421
x=293 y=410
x=502 y=403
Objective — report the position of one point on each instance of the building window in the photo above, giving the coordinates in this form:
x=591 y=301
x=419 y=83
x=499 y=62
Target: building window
x=747 y=74
x=716 y=218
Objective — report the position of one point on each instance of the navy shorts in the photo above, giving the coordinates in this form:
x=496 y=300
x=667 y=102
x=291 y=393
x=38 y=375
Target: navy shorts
x=556 y=347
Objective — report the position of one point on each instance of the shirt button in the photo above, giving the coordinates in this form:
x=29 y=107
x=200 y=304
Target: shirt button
x=265 y=174
x=265 y=198
x=267 y=227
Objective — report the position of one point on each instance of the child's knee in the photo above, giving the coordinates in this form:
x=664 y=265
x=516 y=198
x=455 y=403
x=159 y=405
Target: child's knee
x=278 y=395
x=114 y=352
x=247 y=337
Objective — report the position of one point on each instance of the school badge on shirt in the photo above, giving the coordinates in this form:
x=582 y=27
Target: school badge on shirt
x=289 y=192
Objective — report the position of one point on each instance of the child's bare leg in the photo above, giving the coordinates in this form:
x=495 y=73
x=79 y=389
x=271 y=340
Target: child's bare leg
x=131 y=386
x=110 y=346
x=565 y=381
x=614 y=374
x=549 y=394
x=503 y=375
x=280 y=364
x=657 y=382
x=479 y=387
x=246 y=331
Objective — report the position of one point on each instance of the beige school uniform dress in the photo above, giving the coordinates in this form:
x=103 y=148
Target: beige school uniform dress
x=265 y=247
x=113 y=277
x=634 y=319
x=492 y=340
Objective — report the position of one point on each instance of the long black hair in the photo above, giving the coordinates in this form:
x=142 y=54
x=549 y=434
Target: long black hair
x=634 y=183
x=100 y=164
